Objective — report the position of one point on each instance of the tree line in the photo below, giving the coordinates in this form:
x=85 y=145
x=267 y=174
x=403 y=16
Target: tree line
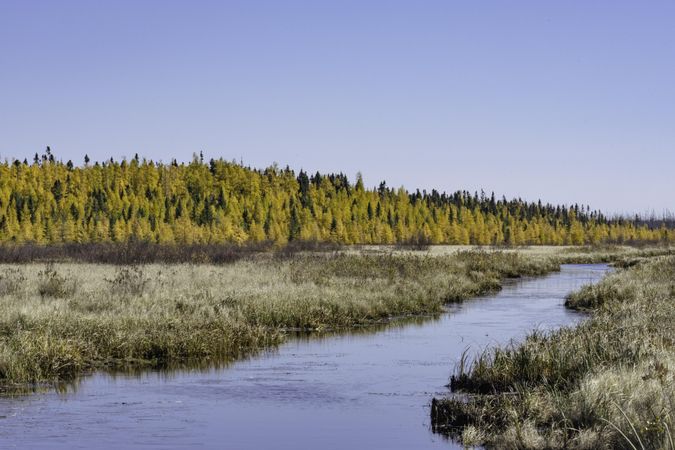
x=47 y=201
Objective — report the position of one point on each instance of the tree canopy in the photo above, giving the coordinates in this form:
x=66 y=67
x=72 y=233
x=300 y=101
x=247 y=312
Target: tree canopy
x=48 y=201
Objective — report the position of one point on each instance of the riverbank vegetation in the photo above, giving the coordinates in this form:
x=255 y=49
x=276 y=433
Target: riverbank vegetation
x=59 y=320
x=218 y=202
x=608 y=383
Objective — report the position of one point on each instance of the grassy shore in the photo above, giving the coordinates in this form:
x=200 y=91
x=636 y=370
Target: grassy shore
x=607 y=383
x=58 y=321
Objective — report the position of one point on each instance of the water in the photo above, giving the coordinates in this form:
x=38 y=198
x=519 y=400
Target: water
x=366 y=390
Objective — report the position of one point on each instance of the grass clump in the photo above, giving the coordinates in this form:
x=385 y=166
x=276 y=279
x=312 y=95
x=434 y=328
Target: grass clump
x=608 y=383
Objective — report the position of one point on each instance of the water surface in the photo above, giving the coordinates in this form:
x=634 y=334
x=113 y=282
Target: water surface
x=357 y=390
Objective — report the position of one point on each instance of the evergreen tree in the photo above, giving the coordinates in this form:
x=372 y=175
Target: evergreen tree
x=222 y=201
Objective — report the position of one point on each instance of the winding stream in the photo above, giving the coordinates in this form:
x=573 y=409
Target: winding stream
x=358 y=390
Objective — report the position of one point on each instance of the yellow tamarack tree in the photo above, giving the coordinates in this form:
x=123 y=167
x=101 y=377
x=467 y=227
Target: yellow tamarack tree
x=48 y=201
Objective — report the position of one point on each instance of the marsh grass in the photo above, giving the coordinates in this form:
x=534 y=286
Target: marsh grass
x=67 y=319
x=620 y=256
x=607 y=383
x=12 y=281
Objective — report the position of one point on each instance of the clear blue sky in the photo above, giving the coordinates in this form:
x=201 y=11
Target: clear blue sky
x=568 y=101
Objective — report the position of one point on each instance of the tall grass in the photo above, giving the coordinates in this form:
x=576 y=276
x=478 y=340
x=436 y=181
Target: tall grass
x=67 y=318
x=607 y=383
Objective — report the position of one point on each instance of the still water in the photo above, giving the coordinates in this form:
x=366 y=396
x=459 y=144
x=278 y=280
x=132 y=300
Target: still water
x=358 y=390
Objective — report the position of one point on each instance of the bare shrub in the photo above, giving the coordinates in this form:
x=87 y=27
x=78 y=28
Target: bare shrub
x=52 y=284
x=140 y=252
x=129 y=280
x=293 y=248
x=133 y=252
x=419 y=242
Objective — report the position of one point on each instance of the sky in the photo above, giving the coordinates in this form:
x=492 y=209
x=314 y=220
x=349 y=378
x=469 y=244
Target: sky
x=568 y=102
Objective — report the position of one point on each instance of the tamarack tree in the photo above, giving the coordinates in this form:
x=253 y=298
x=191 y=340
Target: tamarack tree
x=48 y=201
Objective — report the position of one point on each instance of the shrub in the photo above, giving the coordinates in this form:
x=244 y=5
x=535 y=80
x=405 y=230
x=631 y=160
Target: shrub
x=139 y=252
x=129 y=281
x=52 y=284
x=419 y=242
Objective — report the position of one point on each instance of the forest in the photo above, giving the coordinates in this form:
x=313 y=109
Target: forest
x=48 y=201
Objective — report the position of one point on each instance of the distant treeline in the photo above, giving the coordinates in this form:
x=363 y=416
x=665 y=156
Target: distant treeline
x=47 y=201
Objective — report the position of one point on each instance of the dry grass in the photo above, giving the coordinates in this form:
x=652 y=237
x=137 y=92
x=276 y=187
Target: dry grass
x=607 y=383
x=61 y=320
